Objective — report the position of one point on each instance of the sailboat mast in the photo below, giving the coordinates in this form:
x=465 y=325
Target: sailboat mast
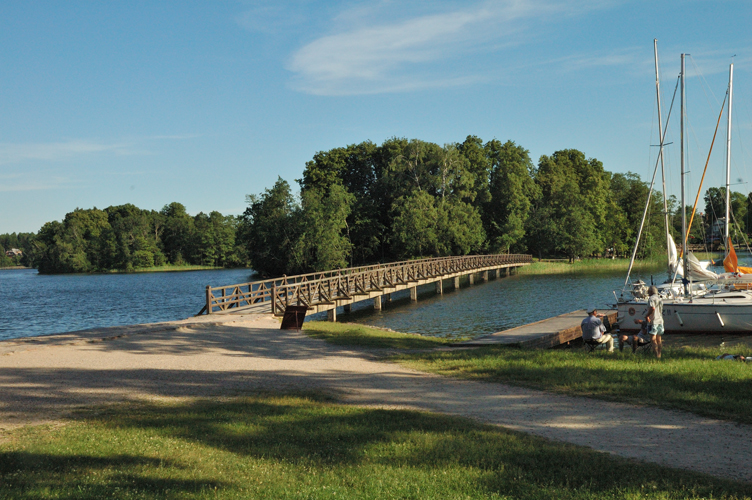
x=660 y=135
x=683 y=205
x=728 y=158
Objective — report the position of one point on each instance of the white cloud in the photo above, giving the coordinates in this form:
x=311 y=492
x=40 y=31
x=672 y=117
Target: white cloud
x=52 y=151
x=75 y=148
x=18 y=182
x=375 y=57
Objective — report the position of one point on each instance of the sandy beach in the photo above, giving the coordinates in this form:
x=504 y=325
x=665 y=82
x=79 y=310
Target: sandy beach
x=44 y=379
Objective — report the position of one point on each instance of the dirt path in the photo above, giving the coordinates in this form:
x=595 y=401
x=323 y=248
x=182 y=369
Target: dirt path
x=41 y=380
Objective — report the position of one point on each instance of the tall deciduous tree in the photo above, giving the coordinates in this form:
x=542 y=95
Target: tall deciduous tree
x=512 y=192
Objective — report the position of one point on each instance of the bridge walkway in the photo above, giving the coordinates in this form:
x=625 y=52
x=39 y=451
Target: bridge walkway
x=326 y=291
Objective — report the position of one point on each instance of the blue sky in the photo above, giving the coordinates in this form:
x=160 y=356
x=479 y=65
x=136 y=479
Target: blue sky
x=105 y=103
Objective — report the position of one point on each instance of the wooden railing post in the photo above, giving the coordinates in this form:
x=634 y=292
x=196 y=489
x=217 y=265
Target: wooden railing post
x=274 y=299
x=208 y=300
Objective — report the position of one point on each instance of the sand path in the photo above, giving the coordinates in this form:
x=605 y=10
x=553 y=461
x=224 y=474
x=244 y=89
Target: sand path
x=43 y=379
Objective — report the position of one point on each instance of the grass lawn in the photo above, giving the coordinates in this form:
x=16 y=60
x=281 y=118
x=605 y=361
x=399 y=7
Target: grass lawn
x=307 y=447
x=685 y=378
x=364 y=336
x=590 y=265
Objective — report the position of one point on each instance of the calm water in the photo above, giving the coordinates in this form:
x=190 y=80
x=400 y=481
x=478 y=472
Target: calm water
x=35 y=304
x=485 y=308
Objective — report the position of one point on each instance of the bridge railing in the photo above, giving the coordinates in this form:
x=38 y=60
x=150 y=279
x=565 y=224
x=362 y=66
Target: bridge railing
x=326 y=288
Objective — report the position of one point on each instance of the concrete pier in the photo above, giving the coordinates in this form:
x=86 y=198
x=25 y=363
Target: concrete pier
x=543 y=334
x=440 y=287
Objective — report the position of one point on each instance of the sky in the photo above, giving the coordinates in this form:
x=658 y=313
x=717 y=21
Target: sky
x=205 y=102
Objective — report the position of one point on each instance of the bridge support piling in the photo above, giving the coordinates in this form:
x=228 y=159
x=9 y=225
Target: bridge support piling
x=331 y=314
x=456 y=282
x=377 y=303
x=348 y=308
x=414 y=294
x=387 y=297
x=470 y=278
x=484 y=275
x=440 y=287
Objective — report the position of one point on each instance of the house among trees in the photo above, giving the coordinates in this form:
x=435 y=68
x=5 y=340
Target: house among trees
x=13 y=252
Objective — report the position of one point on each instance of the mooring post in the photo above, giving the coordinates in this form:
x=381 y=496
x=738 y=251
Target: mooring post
x=414 y=294
x=208 y=300
x=331 y=314
x=440 y=287
x=456 y=282
x=377 y=303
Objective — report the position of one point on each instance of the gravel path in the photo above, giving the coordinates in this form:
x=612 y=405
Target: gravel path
x=43 y=379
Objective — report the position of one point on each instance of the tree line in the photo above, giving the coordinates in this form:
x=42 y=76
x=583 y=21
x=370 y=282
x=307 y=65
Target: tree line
x=127 y=238
x=403 y=199
x=409 y=198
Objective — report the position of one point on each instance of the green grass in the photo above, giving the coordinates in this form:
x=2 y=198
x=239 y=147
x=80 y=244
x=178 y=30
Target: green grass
x=590 y=265
x=308 y=448
x=166 y=268
x=364 y=336
x=688 y=379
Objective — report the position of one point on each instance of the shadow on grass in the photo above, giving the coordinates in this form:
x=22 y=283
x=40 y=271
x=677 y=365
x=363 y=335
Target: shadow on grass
x=49 y=475
x=311 y=434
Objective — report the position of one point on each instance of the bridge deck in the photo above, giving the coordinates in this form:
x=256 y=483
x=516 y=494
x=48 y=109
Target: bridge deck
x=542 y=334
x=325 y=291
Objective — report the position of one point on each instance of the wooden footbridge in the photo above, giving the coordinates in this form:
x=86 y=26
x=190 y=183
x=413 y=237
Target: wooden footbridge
x=325 y=291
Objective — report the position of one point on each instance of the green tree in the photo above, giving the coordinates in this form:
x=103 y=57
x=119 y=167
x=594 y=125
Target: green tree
x=571 y=185
x=273 y=228
x=323 y=242
x=512 y=192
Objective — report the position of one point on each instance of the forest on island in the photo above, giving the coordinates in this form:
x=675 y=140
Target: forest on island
x=367 y=203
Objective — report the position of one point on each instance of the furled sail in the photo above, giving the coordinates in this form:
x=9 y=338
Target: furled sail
x=697 y=270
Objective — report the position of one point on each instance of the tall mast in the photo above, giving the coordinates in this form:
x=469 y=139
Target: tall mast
x=728 y=157
x=660 y=136
x=683 y=209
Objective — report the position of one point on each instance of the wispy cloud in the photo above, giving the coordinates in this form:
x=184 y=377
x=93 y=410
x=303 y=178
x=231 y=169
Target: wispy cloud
x=24 y=182
x=76 y=148
x=53 y=151
x=376 y=57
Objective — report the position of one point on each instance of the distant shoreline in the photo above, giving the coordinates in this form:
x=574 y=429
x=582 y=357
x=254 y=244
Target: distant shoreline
x=160 y=269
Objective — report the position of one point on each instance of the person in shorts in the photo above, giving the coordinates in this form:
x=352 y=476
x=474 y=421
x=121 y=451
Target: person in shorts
x=652 y=325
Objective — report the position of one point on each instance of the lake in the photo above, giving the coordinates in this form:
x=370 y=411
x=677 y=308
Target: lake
x=35 y=304
x=38 y=304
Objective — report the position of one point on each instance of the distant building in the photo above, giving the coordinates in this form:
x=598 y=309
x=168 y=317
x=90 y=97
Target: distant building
x=13 y=252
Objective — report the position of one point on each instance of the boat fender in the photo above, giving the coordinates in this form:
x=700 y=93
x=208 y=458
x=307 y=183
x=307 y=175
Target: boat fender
x=681 y=323
x=717 y=315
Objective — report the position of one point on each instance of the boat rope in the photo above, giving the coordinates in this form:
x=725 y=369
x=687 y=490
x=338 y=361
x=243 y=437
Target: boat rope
x=652 y=183
x=702 y=179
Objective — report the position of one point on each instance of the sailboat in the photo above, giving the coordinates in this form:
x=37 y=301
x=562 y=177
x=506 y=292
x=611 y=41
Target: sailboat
x=704 y=302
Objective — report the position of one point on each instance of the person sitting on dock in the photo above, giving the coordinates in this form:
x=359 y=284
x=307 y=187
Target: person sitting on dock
x=593 y=329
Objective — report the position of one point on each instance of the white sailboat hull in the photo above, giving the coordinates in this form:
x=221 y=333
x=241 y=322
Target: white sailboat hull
x=718 y=313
